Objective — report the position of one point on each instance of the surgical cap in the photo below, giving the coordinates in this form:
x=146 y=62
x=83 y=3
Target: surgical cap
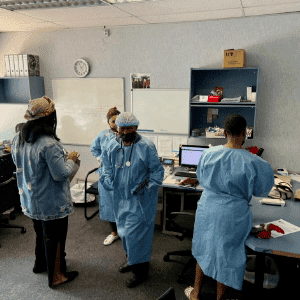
x=127 y=119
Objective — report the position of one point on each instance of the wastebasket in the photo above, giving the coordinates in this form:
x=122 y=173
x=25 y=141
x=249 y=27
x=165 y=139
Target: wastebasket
x=77 y=193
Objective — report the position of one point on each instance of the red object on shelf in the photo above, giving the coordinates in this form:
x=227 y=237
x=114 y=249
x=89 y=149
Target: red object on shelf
x=254 y=150
x=213 y=99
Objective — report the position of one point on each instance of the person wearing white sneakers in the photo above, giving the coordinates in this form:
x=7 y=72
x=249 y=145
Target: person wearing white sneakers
x=105 y=197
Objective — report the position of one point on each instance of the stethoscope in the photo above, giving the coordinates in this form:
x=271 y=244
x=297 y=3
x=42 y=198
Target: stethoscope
x=119 y=163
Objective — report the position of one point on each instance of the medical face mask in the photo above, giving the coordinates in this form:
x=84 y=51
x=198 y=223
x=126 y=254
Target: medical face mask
x=129 y=137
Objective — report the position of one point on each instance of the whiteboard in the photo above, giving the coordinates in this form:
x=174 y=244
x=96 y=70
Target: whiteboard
x=161 y=110
x=82 y=104
x=10 y=116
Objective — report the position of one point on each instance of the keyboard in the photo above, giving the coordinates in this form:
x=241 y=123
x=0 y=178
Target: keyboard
x=186 y=174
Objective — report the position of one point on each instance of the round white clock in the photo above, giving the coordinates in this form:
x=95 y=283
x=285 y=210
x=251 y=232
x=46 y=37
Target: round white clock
x=81 y=67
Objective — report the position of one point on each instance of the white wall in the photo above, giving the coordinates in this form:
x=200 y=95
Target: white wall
x=168 y=52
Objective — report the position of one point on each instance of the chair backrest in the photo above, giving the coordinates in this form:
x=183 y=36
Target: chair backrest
x=168 y=295
x=7 y=167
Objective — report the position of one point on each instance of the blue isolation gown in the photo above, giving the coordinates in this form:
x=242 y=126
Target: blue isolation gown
x=105 y=196
x=135 y=214
x=223 y=219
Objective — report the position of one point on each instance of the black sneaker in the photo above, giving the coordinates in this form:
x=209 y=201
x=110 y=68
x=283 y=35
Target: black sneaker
x=135 y=280
x=39 y=268
x=124 y=268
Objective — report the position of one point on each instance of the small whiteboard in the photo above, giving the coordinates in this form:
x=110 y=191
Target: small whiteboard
x=10 y=116
x=82 y=104
x=162 y=111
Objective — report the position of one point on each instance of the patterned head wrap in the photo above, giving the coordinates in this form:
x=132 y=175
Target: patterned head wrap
x=39 y=108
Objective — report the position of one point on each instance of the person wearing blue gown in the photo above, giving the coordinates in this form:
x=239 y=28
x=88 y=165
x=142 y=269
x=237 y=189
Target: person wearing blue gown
x=230 y=177
x=133 y=172
x=105 y=196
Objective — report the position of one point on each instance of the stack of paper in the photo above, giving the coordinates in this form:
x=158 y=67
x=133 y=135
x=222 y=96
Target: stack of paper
x=238 y=99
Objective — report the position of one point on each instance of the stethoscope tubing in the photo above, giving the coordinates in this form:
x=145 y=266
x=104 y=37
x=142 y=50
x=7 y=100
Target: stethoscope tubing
x=122 y=149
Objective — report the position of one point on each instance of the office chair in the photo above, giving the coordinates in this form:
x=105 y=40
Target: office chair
x=168 y=295
x=93 y=189
x=9 y=195
x=184 y=233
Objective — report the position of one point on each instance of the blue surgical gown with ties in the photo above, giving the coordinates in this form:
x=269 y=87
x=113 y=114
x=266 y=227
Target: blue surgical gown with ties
x=135 y=214
x=105 y=196
x=230 y=177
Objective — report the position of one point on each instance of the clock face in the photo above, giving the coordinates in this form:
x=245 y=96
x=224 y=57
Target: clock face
x=81 y=68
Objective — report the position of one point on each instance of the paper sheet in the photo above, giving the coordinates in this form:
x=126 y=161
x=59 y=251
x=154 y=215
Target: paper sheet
x=152 y=138
x=164 y=147
x=177 y=141
x=170 y=180
x=286 y=226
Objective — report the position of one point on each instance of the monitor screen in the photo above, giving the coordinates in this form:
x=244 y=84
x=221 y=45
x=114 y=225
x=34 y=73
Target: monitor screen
x=189 y=155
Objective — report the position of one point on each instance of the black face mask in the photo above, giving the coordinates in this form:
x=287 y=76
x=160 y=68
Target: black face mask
x=129 y=137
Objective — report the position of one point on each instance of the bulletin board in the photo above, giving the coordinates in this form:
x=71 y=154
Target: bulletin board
x=82 y=104
x=162 y=110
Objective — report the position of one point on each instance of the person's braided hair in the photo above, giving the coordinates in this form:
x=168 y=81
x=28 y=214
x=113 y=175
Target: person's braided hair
x=112 y=112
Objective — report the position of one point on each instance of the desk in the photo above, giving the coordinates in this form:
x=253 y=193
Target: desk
x=175 y=189
x=287 y=245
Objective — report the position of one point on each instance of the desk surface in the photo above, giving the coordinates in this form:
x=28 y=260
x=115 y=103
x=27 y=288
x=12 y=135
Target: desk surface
x=287 y=245
x=172 y=182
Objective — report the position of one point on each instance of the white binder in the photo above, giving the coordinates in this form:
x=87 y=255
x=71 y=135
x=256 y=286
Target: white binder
x=21 y=65
x=12 y=65
x=6 y=59
x=16 y=62
x=25 y=63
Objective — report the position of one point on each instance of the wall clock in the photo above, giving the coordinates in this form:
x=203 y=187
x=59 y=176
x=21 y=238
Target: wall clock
x=81 y=67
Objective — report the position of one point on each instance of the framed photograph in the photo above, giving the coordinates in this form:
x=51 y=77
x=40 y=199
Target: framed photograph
x=140 y=81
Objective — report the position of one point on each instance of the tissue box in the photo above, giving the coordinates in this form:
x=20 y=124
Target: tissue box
x=203 y=98
x=234 y=58
x=213 y=99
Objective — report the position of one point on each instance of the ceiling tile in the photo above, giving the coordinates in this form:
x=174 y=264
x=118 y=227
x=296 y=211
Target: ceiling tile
x=176 y=7
x=249 y=3
x=196 y=16
x=76 y=13
x=102 y=22
x=271 y=9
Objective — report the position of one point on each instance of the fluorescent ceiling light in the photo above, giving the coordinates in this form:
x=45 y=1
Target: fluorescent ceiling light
x=32 y=4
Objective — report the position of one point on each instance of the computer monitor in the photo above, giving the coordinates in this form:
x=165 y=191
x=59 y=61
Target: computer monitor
x=189 y=155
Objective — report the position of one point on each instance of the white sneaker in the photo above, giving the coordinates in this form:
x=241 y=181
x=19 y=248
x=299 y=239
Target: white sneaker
x=110 y=239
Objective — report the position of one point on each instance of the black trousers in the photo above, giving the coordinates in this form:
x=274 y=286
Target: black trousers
x=48 y=235
x=140 y=269
x=113 y=226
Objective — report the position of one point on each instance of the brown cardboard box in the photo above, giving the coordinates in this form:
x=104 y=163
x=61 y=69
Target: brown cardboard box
x=234 y=58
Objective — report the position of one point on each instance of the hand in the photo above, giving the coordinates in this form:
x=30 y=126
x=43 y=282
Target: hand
x=74 y=156
x=7 y=148
x=99 y=161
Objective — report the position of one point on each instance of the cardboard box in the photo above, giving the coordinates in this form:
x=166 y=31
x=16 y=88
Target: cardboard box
x=213 y=99
x=234 y=58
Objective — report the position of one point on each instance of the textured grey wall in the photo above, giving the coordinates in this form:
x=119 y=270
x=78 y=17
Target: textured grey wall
x=168 y=52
